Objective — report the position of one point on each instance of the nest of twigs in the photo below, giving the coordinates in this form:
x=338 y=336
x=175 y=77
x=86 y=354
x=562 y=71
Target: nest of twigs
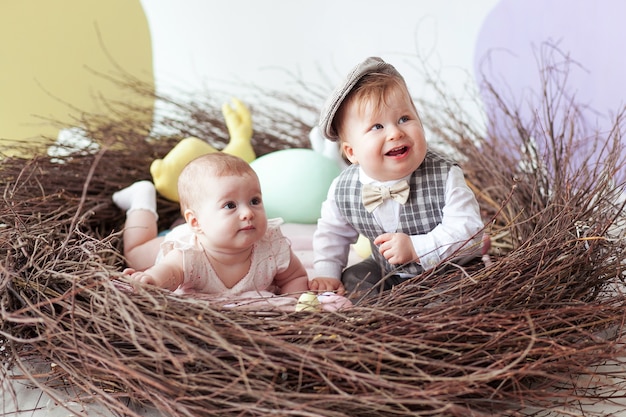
x=523 y=336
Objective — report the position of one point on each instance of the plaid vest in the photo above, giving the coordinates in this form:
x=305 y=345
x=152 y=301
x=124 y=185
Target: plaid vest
x=419 y=215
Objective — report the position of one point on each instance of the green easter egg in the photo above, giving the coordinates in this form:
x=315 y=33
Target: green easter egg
x=294 y=183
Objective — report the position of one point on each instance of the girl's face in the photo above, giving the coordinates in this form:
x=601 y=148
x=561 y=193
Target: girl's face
x=231 y=217
x=386 y=141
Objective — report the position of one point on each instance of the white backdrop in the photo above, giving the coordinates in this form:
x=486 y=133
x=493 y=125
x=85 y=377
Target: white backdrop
x=227 y=46
x=219 y=45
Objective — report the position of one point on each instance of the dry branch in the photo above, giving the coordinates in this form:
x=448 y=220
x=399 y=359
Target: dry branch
x=463 y=341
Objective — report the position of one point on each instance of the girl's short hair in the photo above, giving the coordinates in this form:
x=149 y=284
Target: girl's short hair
x=196 y=175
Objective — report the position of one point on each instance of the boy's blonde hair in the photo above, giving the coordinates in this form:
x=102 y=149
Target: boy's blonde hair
x=197 y=174
x=373 y=89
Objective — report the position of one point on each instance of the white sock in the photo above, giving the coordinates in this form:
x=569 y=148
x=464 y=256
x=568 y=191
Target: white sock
x=138 y=196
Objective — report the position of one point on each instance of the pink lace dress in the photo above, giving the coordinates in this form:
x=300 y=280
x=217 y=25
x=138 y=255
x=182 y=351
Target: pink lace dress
x=270 y=255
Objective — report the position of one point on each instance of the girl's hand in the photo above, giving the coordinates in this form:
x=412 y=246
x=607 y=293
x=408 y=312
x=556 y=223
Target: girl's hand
x=139 y=276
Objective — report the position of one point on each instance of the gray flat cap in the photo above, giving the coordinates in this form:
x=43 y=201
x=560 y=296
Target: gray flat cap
x=369 y=66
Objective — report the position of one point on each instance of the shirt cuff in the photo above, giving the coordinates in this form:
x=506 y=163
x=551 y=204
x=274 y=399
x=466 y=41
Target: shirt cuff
x=429 y=259
x=327 y=269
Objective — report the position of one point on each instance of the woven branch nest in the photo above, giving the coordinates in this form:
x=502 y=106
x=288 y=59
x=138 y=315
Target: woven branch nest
x=511 y=339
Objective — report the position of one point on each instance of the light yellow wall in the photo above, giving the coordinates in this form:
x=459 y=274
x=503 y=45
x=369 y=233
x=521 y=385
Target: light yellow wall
x=49 y=51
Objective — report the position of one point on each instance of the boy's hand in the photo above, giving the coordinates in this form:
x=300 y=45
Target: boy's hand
x=323 y=284
x=397 y=248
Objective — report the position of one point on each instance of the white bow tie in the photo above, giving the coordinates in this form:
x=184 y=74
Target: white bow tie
x=373 y=195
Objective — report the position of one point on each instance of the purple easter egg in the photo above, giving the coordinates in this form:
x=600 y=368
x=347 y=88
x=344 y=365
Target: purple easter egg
x=580 y=39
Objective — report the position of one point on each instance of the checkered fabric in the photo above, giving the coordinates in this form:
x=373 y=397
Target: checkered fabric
x=421 y=213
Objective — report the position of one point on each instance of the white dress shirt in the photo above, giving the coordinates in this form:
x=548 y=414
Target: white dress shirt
x=461 y=222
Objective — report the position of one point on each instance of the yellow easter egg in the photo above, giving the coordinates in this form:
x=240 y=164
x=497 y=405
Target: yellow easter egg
x=56 y=59
x=362 y=247
x=308 y=302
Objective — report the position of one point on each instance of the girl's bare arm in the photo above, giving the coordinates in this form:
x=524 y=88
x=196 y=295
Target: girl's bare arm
x=294 y=279
x=167 y=274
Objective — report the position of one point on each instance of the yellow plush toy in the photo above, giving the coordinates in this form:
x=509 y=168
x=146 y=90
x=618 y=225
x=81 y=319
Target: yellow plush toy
x=165 y=172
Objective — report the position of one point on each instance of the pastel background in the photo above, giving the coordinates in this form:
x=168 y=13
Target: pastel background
x=50 y=51
x=55 y=57
x=54 y=53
